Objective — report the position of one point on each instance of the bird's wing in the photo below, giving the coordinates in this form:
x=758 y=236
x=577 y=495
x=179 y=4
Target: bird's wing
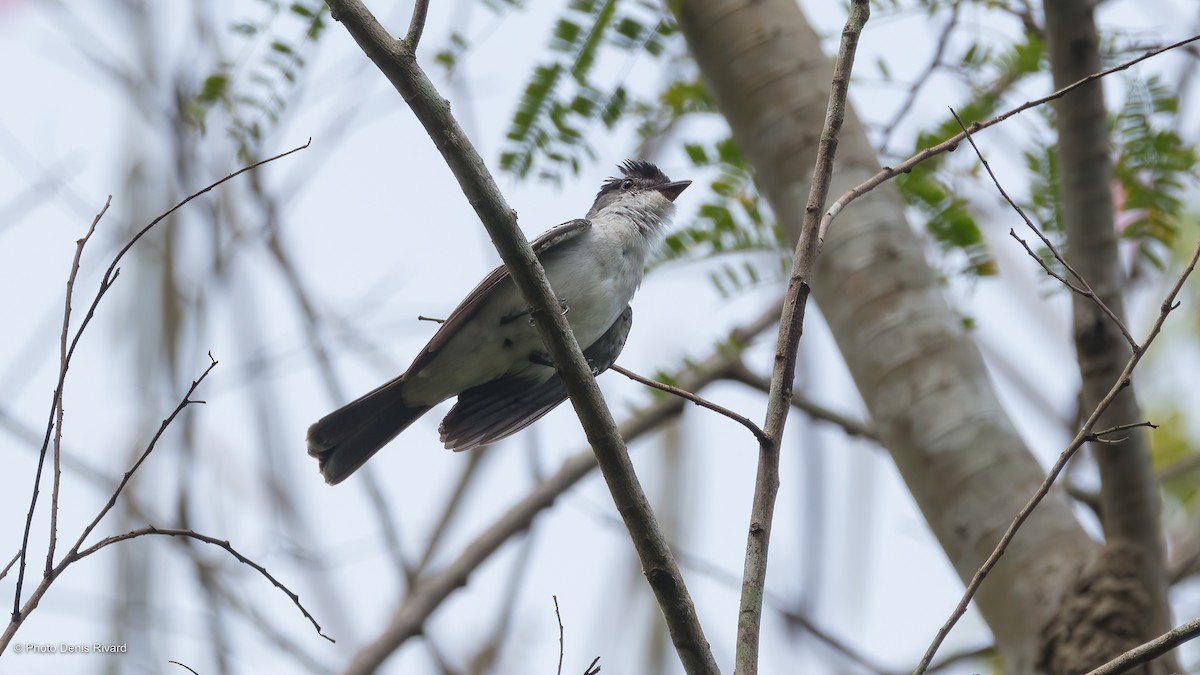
x=478 y=297
x=494 y=411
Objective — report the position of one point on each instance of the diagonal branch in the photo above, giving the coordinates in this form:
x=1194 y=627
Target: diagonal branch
x=22 y=613
x=1085 y=433
x=397 y=61
x=1150 y=650
x=1084 y=288
x=149 y=530
x=950 y=144
x=106 y=282
x=698 y=400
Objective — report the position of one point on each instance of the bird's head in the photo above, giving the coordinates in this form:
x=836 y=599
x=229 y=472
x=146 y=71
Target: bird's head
x=642 y=192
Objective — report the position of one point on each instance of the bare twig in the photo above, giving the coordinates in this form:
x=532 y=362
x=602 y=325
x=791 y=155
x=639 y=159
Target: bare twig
x=106 y=282
x=702 y=402
x=558 y=616
x=1098 y=436
x=58 y=408
x=181 y=665
x=9 y=566
x=791 y=325
x=416 y=25
x=593 y=668
x=397 y=61
x=1084 y=288
x=1082 y=437
x=55 y=422
x=21 y=613
x=421 y=317
x=887 y=173
x=1149 y=650
x=148 y=530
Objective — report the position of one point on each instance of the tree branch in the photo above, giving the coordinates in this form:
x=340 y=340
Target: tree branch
x=410 y=616
x=1085 y=432
x=889 y=172
x=21 y=613
x=791 y=325
x=702 y=402
x=1084 y=289
x=1150 y=650
x=58 y=407
x=106 y=282
x=397 y=61
x=1130 y=498
x=191 y=534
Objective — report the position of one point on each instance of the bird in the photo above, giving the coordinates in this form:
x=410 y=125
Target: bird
x=488 y=353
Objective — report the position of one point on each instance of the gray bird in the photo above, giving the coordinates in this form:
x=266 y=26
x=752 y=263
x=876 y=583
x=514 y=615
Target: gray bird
x=488 y=352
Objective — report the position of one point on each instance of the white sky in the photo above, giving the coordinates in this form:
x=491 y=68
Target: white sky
x=382 y=234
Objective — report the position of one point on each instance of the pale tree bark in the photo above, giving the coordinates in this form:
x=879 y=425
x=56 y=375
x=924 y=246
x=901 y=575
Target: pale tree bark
x=1129 y=495
x=920 y=374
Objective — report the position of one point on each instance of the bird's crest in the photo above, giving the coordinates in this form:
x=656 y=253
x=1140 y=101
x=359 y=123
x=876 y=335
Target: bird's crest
x=640 y=171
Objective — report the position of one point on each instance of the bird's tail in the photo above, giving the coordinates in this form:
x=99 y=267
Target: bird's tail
x=347 y=437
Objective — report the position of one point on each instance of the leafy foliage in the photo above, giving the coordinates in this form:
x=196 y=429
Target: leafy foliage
x=258 y=105
x=1151 y=170
x=563 y=97
x=1171 y=446
x=948 y=217
x=1152 y=167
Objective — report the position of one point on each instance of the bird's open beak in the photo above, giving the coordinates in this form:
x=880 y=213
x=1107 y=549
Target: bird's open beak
x=672 y=190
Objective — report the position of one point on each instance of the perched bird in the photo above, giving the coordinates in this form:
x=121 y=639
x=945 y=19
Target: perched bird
x=488 y=352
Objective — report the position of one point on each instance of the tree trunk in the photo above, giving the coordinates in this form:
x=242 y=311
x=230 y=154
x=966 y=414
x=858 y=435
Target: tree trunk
x=1129 y=496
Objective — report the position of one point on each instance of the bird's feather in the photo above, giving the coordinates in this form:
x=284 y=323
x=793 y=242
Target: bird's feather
x=494 y=411
x=478 y=297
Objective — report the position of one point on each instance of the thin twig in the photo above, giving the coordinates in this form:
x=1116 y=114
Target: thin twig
x=593 y=668
x=783 y=375
x=561 y=632
x=112 y=500
x=21 y=613
x=106 y=282
x=702 y=402
x=1098 y=435
x=62 y=374
x=1085 y=432
x=9 y=566
x=1149 y=650
x=191 y=534
x=887 y=173
x=416 y=25
x=184 y=666
x=421 y=317
x=1084 y=288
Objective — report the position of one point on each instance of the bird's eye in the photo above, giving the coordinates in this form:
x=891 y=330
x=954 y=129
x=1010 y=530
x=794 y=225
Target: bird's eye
x=626 y=184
